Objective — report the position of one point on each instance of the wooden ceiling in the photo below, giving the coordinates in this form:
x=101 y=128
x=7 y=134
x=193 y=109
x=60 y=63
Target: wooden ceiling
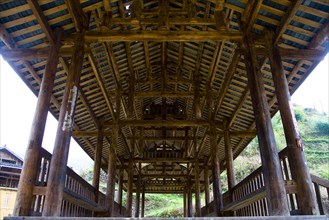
x=178 y=52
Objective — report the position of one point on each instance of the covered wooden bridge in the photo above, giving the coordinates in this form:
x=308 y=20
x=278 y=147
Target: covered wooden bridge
x=163 y=95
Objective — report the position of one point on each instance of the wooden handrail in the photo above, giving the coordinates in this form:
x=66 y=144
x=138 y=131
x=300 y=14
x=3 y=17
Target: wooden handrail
x=251 y=189
x=320 y=181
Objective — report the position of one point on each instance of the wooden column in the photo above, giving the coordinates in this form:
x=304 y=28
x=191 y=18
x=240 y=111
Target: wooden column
x=98 y=158
x=206 y=184
x=57 y=170
x=129 y=200
x=120 y=190
x=197 y=179
x=229 y=159
x=143 y=201
x=31 y=161
x=197 y=189
x=217 y=188
x=189 y=200
x=138 y=190
x=273 y=178
x=185 y=202
x=110 y=191
x=306 y=198
x=197 y=107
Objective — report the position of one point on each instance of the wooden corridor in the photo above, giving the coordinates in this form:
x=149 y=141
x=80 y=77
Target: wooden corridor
x=163 y=95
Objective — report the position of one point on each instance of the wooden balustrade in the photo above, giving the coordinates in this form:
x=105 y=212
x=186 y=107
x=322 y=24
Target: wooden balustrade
x=78 y=196
x=319 y=183
x=249 y=197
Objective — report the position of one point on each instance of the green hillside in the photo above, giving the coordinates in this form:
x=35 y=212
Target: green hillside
x=314 y=129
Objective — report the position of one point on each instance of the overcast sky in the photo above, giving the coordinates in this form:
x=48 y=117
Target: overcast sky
x=18 y=105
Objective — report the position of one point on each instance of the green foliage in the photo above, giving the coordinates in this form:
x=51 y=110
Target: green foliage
x=174 y=213
x=322 y=128
x=300 y=115
x=88 y=176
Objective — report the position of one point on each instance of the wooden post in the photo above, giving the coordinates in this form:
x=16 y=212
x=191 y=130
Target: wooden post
x=143 y=201
x=274 y=183
x=98 y=158
x=206 y=185
x=197 y=107
x=197 y=181
x=110 y=191
x=138 y=190
x=58 y=166
x=229 y=160
x=129 y=190
x=120 y=189
x=185 y=202
x=189 y=200
x=306 y=198
x=31 y=161
x=217 y=188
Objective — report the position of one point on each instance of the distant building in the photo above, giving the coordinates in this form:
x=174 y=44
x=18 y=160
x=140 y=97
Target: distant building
x=10 y=170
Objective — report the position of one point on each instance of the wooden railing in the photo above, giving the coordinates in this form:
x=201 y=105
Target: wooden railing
x=249 y=198
x=78 y=196
x=319 y=183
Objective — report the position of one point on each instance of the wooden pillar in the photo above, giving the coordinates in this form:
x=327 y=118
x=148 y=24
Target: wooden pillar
x=197 y=189
x=189 y=199
x=143 y=201
x=58 y=166
x=129 y=199
x=197 y=107
x=306 y=198
x=217 y=188
x=110 y=191
x=120 y=190
x=31 y=161
x=98 y=158
x=273 y=178
x=206 y=185
x=197 y=179
x=185 y=202
x=229 y=160
x=138 y=190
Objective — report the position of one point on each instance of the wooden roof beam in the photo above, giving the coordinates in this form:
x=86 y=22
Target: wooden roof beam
x=297 y=54
x=156 y=35
x=320 y=38
x=226 y=83
x=163 y=123
x=37 y=12
x=101 y=85
x=30 y=54
x=285 y=20
x=79 y=18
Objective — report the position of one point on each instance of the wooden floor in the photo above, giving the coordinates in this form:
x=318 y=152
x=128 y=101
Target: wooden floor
x=300 y=217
